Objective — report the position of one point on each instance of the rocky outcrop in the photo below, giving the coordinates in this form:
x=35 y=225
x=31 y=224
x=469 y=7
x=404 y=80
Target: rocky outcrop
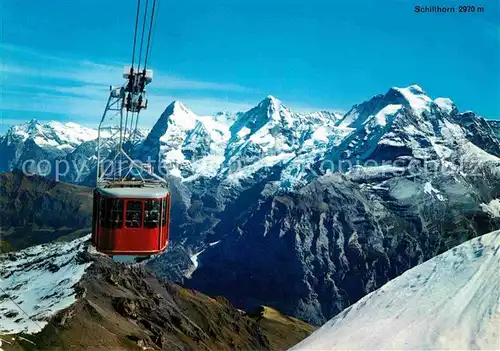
x=119 y=306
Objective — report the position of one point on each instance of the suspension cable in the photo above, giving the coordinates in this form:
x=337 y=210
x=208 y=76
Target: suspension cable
x=136 y=123
x=135 y=32
x=142 y=35
x=126 y=122
x=153 y=20
x=133 y=131
x=33 y=321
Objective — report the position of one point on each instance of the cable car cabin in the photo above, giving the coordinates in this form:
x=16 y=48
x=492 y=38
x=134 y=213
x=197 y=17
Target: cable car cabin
x=131 y=221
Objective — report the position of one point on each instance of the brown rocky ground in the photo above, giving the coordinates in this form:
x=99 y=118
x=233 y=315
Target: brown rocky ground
x=125 y=307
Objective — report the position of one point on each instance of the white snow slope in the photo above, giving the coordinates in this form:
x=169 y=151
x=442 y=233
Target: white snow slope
x=449 y=302
x=40 y=280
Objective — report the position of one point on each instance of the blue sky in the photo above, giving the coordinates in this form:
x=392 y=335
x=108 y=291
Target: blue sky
x=59 y=57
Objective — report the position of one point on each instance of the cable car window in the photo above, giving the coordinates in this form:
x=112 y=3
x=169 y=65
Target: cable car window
x=164 y=210
x=102 y=210
x=111 y=213
x=115 y=218
x=151 y=213
x=134 y=214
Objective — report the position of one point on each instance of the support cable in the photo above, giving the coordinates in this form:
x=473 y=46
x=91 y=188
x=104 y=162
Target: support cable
x=135 y=32
x=142 y=35
x=33 y=321
x=151 y=22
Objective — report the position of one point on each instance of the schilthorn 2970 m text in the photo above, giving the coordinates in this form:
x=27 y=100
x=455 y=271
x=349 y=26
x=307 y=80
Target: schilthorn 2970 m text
x=449 y=9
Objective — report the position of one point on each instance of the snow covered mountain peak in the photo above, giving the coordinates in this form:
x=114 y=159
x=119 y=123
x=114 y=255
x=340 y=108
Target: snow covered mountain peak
x=53 y=136
x=412 y=97
x=268 y=110
x=41 y=140
x=178 y=113
x=185 y=144
x=175 y=120
x=415 y=89
x=178 y=107
x=271 y=100
x=31 y=125
x=415 y=97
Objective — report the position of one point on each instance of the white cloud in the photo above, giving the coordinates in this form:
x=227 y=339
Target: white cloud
x=79 y=89
x=89 y=72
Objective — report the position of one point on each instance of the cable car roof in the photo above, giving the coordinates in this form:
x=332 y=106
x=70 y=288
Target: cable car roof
x=134 y=192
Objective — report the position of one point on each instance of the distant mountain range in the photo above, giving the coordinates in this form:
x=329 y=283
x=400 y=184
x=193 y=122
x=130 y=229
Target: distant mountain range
x=306 y=212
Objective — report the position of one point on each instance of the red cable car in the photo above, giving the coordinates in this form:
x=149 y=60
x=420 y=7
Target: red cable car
x=131 y=214
x=131 y=220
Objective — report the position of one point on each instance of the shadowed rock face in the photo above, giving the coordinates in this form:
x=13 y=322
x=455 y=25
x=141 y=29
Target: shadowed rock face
x=36 y=210
x=315 y=252
x=495 y=126
x=312 y=245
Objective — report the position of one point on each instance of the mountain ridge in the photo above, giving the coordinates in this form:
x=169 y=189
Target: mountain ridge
x=38 y=210
x=341 y=204
x=73 y=297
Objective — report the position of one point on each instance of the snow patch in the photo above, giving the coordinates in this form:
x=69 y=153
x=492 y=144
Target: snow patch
x=429 y=189
x=493 y=208
x=194 y=261
x=266 y=162
x=416 y=98
x=243 y=132
x=389 y=110
x=445 y=104
x=41 y=280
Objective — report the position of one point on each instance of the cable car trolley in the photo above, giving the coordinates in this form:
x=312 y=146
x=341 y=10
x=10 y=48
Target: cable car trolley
x=131 y=208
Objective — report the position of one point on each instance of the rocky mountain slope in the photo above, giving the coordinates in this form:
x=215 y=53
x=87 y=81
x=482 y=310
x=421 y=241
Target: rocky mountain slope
x=69 y=297
x=286 y=209
x=311 y=218
x=495 y=126
x=37 y=210
x=450 y=302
